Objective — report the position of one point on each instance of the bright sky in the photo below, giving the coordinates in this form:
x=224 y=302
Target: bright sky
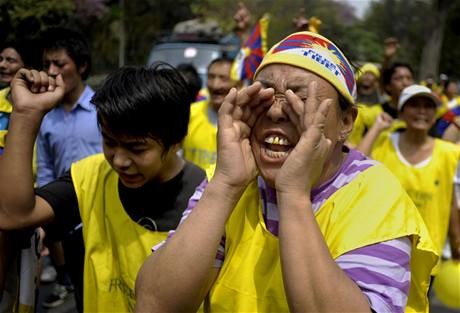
x=359 y=5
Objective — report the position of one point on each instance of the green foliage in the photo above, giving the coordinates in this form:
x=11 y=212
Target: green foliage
x=143 y=20
x=29 y=17
x=450 y=54
x=146 y=19
x=404 y=20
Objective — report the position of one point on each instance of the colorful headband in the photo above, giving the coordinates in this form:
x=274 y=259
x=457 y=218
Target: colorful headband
x=316 y=54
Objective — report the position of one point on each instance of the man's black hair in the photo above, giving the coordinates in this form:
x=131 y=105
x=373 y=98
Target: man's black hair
x=145 y=102
x=388 y=72
x=191 y=76
x=29 y=50
x=73 y=42
x=223 y=59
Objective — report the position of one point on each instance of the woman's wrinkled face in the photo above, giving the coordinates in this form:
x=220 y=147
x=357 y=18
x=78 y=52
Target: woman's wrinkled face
x=274 y=135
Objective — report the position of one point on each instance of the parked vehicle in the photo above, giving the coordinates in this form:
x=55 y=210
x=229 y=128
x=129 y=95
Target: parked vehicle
x=196 y=48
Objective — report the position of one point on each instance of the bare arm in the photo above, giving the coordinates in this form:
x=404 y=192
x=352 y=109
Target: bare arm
x=390 y=49
x=179 y=275
x=312 y=279
x=452 y=133
x=454 y=229
x=382 y=122
x=34 y=93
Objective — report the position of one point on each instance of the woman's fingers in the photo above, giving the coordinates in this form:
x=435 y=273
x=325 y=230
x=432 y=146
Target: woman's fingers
x=296 y=104
x=321 y=114
x=253 y=111
x=312 y=103
x=224 y=116
x=295 y=110
x=229 y=102
x=255 y=103
x=253 y=95
x=245 y=105
x=247 y=95
x=237 y=113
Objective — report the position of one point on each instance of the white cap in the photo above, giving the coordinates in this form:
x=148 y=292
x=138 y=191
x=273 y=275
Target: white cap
x=415 y=91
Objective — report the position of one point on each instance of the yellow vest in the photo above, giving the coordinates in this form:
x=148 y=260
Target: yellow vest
x=200 y=144
x=251 y=279
x=364 y=121
x=115 y=245
x=430 y=186
x=5 y=107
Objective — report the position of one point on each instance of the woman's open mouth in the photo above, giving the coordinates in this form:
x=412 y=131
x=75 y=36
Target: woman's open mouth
x=277 y=147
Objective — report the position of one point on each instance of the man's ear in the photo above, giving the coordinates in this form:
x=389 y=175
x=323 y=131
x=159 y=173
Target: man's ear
x=173 y=149
x=348 y=120
x=82 y=68
x=176 y=147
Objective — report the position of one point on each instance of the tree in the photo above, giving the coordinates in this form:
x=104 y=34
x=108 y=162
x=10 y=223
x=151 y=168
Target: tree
x=450 y=55
x=431 y=53
x=29 y=17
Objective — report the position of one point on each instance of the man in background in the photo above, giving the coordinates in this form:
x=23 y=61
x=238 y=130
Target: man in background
x=200 y=143
x=68 y=133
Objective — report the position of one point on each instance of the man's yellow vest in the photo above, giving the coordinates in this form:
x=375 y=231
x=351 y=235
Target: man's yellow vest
x=200 y=144
x=430 y=186
x=364 y=121
x=6 y=108
x=115 y=245
x=370 y=209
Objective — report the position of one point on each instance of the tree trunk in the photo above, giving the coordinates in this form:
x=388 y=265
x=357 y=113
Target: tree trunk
x=431 y=53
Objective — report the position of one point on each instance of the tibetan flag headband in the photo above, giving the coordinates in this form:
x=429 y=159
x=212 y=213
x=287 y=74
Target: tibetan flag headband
x=316 y=54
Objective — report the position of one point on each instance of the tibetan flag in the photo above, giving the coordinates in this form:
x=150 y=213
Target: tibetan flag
x=251 y=53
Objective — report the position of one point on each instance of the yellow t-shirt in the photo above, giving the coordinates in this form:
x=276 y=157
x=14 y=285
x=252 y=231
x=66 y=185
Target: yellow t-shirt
x=200 y=144
x=250 y=279
x=429 y=185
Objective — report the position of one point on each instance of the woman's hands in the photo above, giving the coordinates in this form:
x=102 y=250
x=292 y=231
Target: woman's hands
x=305 y=162
x=35 y=91
x=236 y=166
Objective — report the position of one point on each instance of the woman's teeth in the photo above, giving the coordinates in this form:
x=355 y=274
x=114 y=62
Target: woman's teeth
x=277 y=147
x=276 y=154
x=275 y=140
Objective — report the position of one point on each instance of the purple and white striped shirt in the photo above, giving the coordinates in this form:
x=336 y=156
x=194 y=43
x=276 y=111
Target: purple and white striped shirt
x=380 y=270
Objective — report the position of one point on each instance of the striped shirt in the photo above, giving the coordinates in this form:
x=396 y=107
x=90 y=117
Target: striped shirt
x=380 y=270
